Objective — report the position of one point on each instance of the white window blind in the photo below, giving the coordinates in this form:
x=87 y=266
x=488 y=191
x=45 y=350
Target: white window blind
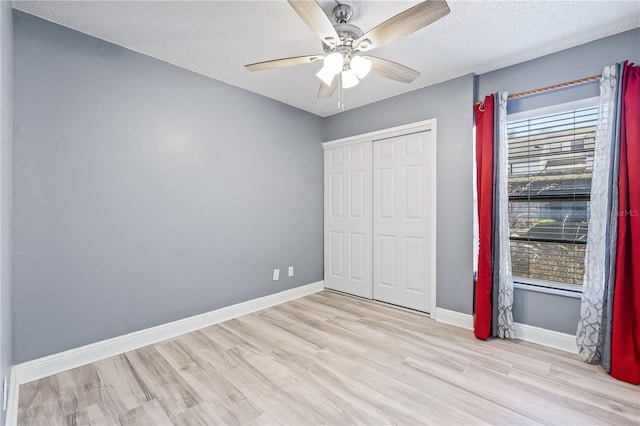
x=550 y=165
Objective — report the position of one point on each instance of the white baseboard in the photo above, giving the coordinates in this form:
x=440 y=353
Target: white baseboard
x=72 y=358
x=454 y=318
x=541 y=336
x=11 y=418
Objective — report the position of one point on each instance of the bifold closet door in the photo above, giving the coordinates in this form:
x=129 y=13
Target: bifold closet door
x=348 y=216
x=402 y=174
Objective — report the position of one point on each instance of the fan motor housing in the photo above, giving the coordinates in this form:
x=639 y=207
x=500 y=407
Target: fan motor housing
x=348 y=33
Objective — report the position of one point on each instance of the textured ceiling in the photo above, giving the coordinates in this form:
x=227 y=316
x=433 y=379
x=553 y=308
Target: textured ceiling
x=216 y=38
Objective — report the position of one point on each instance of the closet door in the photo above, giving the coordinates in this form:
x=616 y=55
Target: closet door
x=347 y=219
x=402 y=175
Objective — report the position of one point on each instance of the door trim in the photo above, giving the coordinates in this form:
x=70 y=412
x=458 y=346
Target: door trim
x=391 y=132
x=420 y=126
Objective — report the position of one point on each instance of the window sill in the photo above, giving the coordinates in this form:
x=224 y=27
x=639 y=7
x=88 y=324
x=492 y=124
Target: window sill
x=576 y=294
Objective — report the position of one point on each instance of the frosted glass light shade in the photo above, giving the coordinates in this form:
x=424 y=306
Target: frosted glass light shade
x=349 y=79
x=331 y=67
x=361 y=66
x=334 y=62
x=325 y=75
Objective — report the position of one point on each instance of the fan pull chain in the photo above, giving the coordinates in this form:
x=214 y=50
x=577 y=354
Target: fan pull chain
x=340 y=93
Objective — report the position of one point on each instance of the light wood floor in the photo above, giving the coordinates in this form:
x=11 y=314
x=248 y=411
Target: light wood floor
x=332 y=359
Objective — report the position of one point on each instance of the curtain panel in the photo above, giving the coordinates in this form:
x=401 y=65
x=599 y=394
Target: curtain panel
x=625 y=334
x=503 y=279
x=484 y=120
x=591 y=327
x=609 y=327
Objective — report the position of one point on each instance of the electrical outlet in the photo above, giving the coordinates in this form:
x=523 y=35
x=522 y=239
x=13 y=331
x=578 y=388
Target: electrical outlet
x=290 y=271
x=276 y=274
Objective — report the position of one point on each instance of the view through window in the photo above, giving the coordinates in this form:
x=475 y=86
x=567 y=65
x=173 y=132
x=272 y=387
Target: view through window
x=550 y=165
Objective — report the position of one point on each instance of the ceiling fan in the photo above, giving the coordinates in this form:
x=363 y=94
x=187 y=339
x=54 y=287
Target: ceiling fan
x=344 y=64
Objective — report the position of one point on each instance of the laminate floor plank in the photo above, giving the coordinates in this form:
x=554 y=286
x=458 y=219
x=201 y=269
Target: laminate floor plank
x=121 y=385
x=606 y=410
x=332 y=386
x=356 y=375
x=205 y=414
x=330 y=358
x=318 y=333
x=218 y=391
x=395 y=402
x=149 y=413
x=96 y=414
x=208 y=382
x=46 y=413
x=264 y=376
x=38 y=392
x=164 y=383
x=438 y=392
x=281 y=334
x=79 y=388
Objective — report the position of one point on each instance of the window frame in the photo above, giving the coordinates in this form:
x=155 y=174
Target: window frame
x=535 y=284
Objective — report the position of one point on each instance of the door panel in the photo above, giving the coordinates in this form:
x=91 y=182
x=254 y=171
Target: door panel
x=356 y=194
x=413 y=192
x=414 y=267
x=386 y=200
x=356 y=256
x=335 y=247
x=401 y=248
x=348 y=219
x=335 y=197
x=387 y=262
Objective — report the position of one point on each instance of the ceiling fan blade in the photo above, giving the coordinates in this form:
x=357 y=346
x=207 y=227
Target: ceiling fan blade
x=313 y=15
x=284 y=62
x=326 y=91
x=403 y=24
x=392 y=70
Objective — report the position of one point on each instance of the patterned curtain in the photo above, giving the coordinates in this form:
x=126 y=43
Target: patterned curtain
x=597 y=278
x=502 y=255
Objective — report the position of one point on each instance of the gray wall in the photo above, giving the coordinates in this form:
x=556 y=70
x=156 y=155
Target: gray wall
x=6 y=185
x=145 y=193
x=556 y=312
x=549 y=311
x=451 y=104
x=571 y=64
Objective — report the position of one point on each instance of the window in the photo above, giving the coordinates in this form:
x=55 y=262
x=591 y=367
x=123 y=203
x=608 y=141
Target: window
x=550 y=165
x=555 y=147
x=577 y=144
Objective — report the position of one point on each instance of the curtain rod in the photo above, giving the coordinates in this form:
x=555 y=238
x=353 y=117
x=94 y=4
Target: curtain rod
x=548 y=88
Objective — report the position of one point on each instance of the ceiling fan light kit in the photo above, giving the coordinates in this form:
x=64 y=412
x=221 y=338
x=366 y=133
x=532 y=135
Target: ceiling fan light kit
x=349 y=79
x=361 y=66
x=343 y=43
x=333 y=65
x=325 y=75
x=353 y=70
